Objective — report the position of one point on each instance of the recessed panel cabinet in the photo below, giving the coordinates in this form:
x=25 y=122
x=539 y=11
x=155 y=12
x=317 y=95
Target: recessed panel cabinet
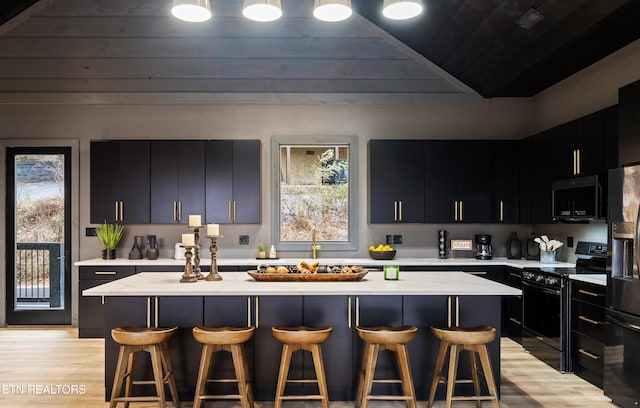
x=396 y=181
x=120 y=179
x=177 y=180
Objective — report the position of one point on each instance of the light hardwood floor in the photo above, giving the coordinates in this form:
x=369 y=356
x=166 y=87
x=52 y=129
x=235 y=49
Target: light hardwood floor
x=53 y=368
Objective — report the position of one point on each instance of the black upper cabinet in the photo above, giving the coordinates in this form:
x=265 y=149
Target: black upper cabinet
x=233 y=181
x=120 y=182
x=177 y=180
x=541 y=175
x=396 y=181
x=578 y=149
x=458 y=181
x=629 y=124
x=505 y=177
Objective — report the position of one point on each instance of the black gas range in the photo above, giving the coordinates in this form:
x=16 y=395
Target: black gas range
x=546 y=304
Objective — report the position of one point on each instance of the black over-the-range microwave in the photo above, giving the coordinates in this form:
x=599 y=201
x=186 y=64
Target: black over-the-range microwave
x=577 y=200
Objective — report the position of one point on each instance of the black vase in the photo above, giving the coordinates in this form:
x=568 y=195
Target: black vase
x=108 y=254
x=514 y=247
x=152 y=248
x=136 y=250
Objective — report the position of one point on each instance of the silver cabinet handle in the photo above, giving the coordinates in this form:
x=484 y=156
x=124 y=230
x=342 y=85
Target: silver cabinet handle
x=148 y=312
x=357 y=311
x=235 y=210
x=400 y=212
x=461 y=212
x=175 y=211
x=501 y=211
x=455 y=210
x=257 y=312
x=156 y=312
x=395 y=211
x=116 y=219
x=349 y=311
x=121 y=211
x=516 y=321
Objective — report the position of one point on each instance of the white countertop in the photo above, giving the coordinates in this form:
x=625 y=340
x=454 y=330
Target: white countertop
x=595 y=279
x=252 y=262
x=241 y=284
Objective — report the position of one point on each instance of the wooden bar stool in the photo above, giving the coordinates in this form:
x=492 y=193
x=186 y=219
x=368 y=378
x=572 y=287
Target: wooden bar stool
x=386 y=338
x=301 y=338
x=474 y=340
x=229 y=339
x=154 y=342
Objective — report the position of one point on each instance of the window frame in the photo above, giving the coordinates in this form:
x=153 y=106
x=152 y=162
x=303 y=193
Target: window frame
x=299 y=246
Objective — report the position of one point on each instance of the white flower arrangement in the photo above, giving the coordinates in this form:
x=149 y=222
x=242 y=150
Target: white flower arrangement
x=548 y=245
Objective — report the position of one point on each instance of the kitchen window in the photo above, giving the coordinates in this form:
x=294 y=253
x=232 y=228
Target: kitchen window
x=314 y=188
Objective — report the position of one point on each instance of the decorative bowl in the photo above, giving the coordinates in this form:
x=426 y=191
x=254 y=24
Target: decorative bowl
x=383 y=255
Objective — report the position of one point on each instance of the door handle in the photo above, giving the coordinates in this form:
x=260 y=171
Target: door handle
x=579 y=165
x=349 y=311
x=257 y=312
x=586 y=319
x=121 y=211
x=229 y=211
x=400 y=210
x=501 y=211
x=357 y=311
x=248 y=311
x=179 y=210
x=461 y=211
x=586 y=292
x=516 y=321
x=590 y=355
x=395 y=211
x=455 y=210
x=575 y=161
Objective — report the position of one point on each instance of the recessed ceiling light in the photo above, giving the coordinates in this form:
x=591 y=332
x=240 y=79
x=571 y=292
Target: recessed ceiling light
x=401 y=9
x=332 y=10
x=530 y=19
x=193 y=11
x=262 y=10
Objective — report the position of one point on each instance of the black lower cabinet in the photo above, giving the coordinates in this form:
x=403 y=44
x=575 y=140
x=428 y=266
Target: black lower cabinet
x=588 y=323
x=185 y=312
x=90 y=308
x=512 y=306
x=124 y=311
x=342 y=352
x=274 y=311
x=375 y=311
x=333 y=311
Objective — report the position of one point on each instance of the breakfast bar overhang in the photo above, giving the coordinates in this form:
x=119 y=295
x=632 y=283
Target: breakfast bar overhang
x=421 y=299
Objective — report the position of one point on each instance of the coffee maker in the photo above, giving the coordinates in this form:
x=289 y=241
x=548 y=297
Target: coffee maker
x=483 y=246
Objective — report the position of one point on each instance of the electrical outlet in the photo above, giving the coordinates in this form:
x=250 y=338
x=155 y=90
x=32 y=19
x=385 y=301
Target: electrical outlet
x=397 y=239
x=388 y=239
x=244 y=240
x=90 y=232
x=569 y=242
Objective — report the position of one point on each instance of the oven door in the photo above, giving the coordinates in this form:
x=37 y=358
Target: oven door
x=622 y=359
x=541 y=325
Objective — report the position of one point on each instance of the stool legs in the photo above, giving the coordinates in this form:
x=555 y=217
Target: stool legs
x=162 y=372
x=405 y=374
x=285 y=363
x=240 y=368
x=454 y=352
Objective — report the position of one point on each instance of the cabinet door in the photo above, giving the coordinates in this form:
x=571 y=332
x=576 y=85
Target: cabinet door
x=590 y=146
x=219 y=181
x=246 y=181
x=563 y=150
x=474 y=184
x=441 y=160
x=134 y=182
x=541 y=176
x=410 y=181
x=505 y=164
x=383 y=174
x=424 y=312
x=273 y=311
x=331 y=311
x=177 y=180
x=105 y=189
x=629 y=123
x=374 y=311
x=185 y=312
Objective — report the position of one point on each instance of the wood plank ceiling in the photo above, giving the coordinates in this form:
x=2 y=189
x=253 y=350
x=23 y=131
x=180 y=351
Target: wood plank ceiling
x=109 y=51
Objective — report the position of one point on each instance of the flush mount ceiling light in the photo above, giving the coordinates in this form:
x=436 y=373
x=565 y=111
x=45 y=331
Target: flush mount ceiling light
x=401 y=9
x=332 y=10
x=262 y=10
x=193 y=11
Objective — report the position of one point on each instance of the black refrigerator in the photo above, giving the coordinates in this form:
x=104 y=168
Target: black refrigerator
x=622 y=338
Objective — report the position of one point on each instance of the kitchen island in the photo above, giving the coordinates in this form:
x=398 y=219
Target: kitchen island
x=421 y=299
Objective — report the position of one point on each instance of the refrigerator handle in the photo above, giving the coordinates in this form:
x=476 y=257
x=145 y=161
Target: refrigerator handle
x=636 y=251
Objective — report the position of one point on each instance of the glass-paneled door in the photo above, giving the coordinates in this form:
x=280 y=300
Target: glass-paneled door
x=38 y=235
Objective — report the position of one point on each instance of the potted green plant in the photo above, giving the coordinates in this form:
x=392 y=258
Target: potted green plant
x=262 y=250
x=109 y=236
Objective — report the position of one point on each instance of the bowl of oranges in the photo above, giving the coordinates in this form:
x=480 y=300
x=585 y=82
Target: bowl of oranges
x=382 y=252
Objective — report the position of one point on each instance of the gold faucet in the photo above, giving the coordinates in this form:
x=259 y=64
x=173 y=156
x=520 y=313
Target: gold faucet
x=314 y=246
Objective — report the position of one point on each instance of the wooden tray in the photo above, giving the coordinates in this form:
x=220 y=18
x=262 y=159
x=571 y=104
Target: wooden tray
x=307 y=277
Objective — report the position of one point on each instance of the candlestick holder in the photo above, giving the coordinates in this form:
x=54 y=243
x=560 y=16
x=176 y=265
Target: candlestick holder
x=188 y=275
x=196 y=253
x=213 y=273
